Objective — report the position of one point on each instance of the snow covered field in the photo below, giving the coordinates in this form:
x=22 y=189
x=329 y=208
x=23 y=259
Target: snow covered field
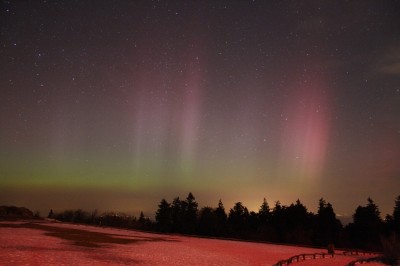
x=46 y=243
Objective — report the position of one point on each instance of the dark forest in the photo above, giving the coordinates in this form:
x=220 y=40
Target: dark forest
x=292 y=224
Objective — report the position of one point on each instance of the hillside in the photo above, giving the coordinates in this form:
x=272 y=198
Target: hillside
x=12 y=212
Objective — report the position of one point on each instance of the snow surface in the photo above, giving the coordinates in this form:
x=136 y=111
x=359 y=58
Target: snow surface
x=47 y=243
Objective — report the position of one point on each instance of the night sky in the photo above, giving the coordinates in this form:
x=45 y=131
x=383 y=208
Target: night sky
x=116 y=104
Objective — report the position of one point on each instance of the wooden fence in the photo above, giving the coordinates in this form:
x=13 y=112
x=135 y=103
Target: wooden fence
x=302 y=257
x=362 y=261
x=314 y=256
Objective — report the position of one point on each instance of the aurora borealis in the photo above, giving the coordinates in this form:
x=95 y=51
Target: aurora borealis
x=116 y=104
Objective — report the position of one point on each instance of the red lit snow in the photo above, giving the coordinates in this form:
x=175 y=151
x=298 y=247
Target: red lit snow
x=46 y=243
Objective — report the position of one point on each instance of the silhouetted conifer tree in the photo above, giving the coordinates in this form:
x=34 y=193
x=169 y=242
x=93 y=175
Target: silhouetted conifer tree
x=207 y=221
x=141 y=218
x=264 y=213
x=237 y=219
x=221 y=219
x=252 y=223
x=298 y=223
x=278 y=222
x=177 y=209
x=190 y=213
x=163 y=216
x=366 y=227
x=265 y=228
x=396 y=216
x=328 y=226
x=143 y=222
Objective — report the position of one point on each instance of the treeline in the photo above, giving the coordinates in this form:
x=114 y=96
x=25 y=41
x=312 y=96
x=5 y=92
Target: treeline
x=280 y=223
x=284 y=224
x=112 y=219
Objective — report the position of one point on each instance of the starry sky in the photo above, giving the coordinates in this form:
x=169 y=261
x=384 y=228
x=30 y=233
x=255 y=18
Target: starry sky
x=116 y=104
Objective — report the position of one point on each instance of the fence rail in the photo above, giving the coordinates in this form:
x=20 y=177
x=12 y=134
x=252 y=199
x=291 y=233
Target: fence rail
x=302 y=257
x=314 y=256
x=362 y=261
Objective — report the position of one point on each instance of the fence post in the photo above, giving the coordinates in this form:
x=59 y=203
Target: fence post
x=331 y=249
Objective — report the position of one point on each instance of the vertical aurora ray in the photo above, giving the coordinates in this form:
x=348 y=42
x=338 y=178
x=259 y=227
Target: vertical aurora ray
x=190 y=121
x=305 y=135
x=166 y=117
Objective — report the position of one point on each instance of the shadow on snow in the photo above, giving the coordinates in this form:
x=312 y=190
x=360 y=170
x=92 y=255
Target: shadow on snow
x=85 y=238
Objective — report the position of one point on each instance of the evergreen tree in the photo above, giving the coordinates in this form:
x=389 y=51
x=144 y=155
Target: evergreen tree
x=237 y=219
x=264 y=213
x=296 y=215
x=396 y=216
x=252 y=223
x=366 y=227
x=328 y=226
x=143 y=222
x=265 y=228
x=278 y=222
x=298 y=223
x=221 y=219
x=177 y=215
x=141 y=218
x=163 y=216
x=190 y=213
x=207 y=222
